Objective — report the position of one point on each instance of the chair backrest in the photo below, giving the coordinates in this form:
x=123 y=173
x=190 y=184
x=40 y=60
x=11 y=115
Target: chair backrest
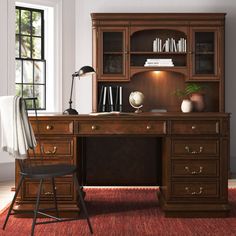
x=30 y=162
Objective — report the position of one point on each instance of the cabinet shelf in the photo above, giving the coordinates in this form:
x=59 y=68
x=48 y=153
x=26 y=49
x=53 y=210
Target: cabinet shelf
x=139 y=69
x=159 y=53
x=113 y=53
x=204 y=53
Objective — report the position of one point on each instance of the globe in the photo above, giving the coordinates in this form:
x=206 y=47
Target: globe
x=136 y=100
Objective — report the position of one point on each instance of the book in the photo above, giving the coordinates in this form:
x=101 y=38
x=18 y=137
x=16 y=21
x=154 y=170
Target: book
x=116 y=99
x=111 y=113
x=100 y=98
x=158 y=62
x=120 y=98
x=104 y=99
x=110 y=99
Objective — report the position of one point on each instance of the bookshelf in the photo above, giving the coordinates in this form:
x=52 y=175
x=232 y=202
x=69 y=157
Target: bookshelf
x=190 y=47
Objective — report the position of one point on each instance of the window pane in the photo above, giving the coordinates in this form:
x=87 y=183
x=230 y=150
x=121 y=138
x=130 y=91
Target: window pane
x=25 y=22
x=25 y=47
x=36 y=49
x=17 y=21
x=27 y=72
x=29 y=105
x=18 y=71
x=18 y=90
x=27 y=91
x=17 y=47
x=39 y=72
x=39 y=92
x=36 y=23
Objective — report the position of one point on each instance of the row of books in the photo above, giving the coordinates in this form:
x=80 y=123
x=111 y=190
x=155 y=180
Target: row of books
x=159 y=62
x=169 y=45
x=110 y=99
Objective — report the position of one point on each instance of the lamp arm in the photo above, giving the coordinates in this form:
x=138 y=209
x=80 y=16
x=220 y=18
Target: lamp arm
x=71 y=90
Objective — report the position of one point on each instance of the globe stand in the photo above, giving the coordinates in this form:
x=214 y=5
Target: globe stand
x=138 y=108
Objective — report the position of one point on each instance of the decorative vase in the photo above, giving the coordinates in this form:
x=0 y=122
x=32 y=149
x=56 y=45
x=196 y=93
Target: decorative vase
x=198 y=101
x=186 y=106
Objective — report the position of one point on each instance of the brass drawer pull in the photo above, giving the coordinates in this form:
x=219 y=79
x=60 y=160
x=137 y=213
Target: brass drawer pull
x=94 y=127
x=189 y=150
x=49 y=127
x=49 y=151
x=149 y=127
x=49 y=193
x=194 y=127
x=200 y=192
x=195 y=172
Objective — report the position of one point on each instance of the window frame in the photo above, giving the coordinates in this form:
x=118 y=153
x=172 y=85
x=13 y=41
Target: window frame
x=34 y=60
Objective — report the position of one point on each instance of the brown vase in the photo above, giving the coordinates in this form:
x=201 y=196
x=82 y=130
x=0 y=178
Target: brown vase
x=198 y=101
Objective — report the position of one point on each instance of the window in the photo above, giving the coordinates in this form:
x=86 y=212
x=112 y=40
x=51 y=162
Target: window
x=30 y=80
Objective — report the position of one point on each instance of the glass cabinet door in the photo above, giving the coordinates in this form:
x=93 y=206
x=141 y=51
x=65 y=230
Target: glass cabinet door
x=113 y=54
x=204 y=59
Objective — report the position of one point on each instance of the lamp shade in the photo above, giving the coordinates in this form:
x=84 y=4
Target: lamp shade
x=85 y=70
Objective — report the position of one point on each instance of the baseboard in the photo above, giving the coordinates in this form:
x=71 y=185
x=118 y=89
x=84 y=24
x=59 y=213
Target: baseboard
x=232 y=175
x=7 y=171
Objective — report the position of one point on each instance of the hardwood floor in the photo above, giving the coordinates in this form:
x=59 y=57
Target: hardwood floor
x=6 y=194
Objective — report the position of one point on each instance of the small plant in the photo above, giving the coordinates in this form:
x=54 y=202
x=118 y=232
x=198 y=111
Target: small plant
x=189 y=89
x=193 y=88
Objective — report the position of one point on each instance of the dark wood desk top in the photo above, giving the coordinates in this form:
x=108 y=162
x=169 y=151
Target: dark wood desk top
x=142 y=115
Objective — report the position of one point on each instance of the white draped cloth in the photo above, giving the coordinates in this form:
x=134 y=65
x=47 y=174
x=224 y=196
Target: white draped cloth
x=15 y=130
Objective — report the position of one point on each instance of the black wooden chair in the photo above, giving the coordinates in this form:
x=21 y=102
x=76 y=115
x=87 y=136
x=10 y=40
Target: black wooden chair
x=28 y=169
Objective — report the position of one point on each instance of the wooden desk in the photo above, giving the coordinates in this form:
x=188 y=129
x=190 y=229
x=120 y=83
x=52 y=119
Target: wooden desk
x=193 y=148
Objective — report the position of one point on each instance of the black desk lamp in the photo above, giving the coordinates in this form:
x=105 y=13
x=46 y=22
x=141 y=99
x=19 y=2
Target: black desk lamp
x=83 y=71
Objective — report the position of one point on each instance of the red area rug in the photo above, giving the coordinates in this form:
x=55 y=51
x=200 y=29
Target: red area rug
x=127 y=212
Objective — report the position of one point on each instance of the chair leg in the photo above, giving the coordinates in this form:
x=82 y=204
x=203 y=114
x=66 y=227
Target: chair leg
x=83 y=203
x=36 y=207
x=13 y=201
x=55 y=196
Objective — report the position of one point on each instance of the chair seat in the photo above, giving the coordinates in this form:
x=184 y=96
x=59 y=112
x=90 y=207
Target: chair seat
x=48 y=171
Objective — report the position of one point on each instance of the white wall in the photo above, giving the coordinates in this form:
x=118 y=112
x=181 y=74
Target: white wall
x=84 y=41
x=68 y=49
x=66 y=56
x=7 y=57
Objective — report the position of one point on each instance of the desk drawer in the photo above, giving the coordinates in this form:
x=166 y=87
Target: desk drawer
x=195 y=148
x=53 y=127
x=55 y=147
x=122 y=127
x=195 y=127
x=64 y=188
x=195 y=168
x=195 y=189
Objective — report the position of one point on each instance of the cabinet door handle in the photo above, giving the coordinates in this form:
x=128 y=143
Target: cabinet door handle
x=149 y=127
x=189 y=150
x=195 y=172
x=49 y=127
x=200 y=192
x=93 y=127
x=49 y=151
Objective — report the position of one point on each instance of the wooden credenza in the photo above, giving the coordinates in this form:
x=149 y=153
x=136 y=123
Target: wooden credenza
x=191 y=153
